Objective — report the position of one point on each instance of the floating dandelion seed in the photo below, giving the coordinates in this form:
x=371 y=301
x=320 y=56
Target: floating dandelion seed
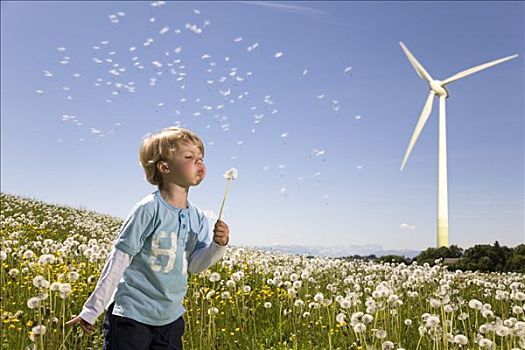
x=278 y=54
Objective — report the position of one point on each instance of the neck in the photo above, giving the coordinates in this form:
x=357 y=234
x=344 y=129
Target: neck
x=175 y=195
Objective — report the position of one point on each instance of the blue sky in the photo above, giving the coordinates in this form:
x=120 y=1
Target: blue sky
x=340 y=89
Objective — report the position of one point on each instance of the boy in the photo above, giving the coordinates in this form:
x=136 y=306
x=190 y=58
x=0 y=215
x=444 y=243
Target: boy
x=163 y=237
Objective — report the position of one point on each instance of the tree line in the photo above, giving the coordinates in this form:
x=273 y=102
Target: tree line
x=481 y=257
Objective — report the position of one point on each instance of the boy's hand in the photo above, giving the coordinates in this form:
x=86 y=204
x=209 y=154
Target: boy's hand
x=221 y=233
x=86 y=326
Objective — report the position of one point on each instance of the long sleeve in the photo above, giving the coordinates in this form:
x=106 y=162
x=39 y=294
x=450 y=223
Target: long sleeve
x=204 y=257
x=116 y=264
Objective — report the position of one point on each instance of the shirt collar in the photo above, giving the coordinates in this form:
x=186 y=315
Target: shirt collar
x=171 y=207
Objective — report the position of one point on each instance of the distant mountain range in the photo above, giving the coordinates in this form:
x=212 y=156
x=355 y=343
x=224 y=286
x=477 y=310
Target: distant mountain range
x=338 y=251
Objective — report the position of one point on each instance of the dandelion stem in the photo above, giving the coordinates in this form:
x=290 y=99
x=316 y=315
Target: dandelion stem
x=224 y=198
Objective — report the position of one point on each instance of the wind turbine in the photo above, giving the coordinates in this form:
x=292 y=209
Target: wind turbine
x=437 y=87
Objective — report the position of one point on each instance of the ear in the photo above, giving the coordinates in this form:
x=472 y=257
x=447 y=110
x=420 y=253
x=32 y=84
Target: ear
x=163 y=167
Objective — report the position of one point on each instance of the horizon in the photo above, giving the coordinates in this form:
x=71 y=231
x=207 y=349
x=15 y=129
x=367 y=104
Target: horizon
x=314 y=103
x=377 y=247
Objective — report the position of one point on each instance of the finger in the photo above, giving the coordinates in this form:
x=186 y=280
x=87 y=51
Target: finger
x=220 y=234
x=87 y=324
x=72 y=321
x=87 y=329
x=220 y=223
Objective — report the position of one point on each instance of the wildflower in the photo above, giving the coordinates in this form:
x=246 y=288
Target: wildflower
x=367 y=318
x=517 y=310
x=40 y=282
x=45 y=259
x=503 y=331
x=487 y=313
x=213 y=310
x=39 y=330
x=55 y=286
x=460 y=339
x=298 y=303
x=210 y=295
x=345 y=303
x=520 y=296
x=463 y=316
x=215 y=277
x=28 y=254
x=388 y=345
x=267 y=305
x=73 y=276
x=380 y=334
x=64 y=290
x=359 y=328
x=318 y=297
x=475 y=304
x=230 y=283
x=432 y=322
x=33 y=302
x=326 y=302
x=448 y=308
x=485 y=343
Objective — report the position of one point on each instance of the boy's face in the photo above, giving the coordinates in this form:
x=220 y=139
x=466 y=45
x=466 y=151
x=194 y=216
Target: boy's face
x=186 y=166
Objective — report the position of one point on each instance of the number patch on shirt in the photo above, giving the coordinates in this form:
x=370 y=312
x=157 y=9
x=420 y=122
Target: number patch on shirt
x=156 y=251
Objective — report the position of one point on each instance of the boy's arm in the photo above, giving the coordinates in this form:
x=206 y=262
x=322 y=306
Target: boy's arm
x=205 y=256
x=207 y=252
x=116 y=264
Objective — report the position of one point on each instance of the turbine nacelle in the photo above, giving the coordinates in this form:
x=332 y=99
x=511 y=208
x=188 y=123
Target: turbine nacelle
x=438 y=87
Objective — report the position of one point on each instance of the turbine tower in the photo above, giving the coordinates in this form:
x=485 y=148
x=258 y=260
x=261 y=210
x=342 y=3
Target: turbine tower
x=437 y=87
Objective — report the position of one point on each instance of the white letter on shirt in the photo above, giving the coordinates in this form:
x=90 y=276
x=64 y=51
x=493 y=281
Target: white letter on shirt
x=170 y=252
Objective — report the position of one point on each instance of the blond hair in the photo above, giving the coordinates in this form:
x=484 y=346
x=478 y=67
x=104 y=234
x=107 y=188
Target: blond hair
x=158 y=147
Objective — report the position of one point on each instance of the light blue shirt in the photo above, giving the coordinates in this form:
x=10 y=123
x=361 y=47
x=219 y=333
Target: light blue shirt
x=162 y=239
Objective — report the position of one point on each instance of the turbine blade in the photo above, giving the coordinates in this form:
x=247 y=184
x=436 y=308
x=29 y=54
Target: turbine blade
x=419 y=126
x=476 y=69
x=423 y=74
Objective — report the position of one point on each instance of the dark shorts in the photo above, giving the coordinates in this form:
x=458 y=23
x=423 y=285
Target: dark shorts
x=122 y=333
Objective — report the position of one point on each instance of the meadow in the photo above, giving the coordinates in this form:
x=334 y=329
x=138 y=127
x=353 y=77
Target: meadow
x=51 y=258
